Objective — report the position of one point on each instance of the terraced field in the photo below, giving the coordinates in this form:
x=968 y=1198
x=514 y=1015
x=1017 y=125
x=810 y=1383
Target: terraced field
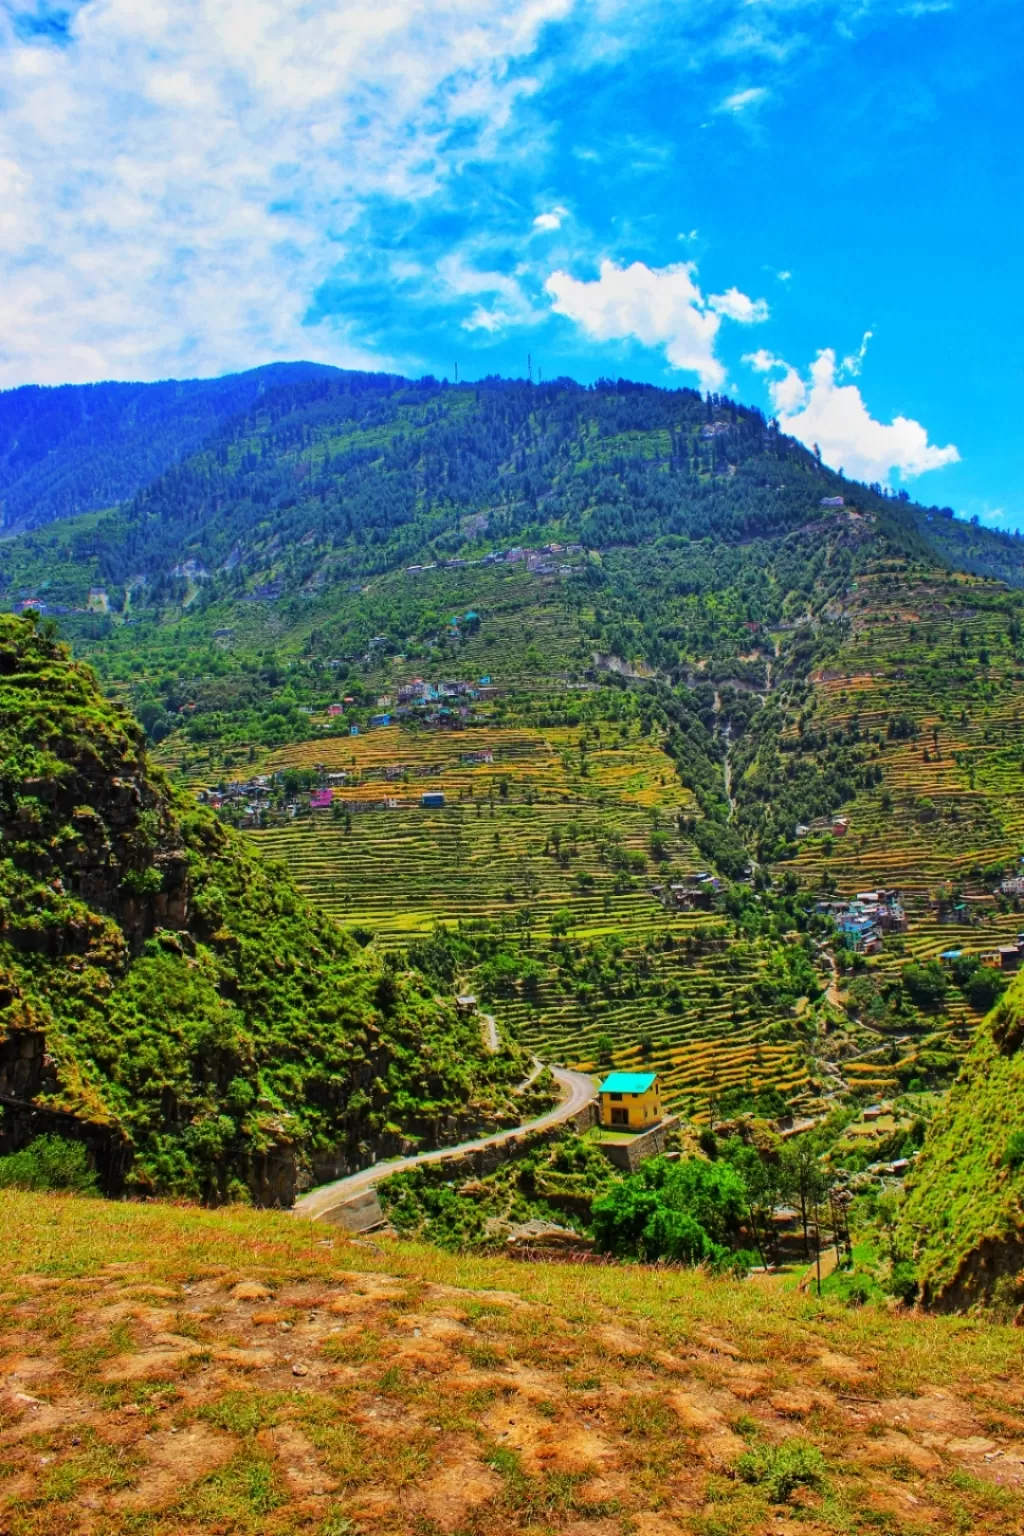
x=537 y=827
x=938 y=654
x=555 y=844
x=529 y=843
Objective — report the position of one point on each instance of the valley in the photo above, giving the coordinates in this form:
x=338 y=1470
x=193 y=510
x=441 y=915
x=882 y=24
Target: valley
x=609 y=708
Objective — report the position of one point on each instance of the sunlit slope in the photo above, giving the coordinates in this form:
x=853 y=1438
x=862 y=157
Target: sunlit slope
x=181 y=1372
x=963 y=1222
x=931 y=675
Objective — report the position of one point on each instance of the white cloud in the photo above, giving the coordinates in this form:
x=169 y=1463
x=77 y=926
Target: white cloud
x=784 y=276
x=177 y=181
x=736 y=306
x=512 y=306
x=659 y=307
x=855 y=361
x=739 y=101
x=820 y=412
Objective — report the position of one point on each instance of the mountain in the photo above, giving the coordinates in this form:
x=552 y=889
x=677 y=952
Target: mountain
x=692 y=708
x=81 y=447
x=170 y=999
x=307 y=478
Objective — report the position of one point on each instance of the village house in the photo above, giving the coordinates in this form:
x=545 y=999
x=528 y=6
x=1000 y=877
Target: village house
x=863 y=920
x=696 y=891
x=630 y=1101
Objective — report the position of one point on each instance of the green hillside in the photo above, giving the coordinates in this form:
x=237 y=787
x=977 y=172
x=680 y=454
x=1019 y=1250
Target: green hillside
x=963 y=1220
x=78 y=448
x=169 y=998
x=680 y=688
x=326 y=479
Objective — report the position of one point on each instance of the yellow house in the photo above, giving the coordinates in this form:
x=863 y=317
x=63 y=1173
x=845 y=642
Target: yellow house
x=630 y=1101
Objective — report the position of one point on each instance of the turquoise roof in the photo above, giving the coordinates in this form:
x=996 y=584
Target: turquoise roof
x=627 y=1082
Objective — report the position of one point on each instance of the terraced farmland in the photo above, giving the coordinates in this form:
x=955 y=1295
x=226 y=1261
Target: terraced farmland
x=937 y=656
x=536 y=826
x=688 y=1014
x=533 y=842
x=555 y=844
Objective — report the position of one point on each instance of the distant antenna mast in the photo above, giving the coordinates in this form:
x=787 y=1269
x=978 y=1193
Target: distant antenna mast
x=529 y=367
x=456 y=373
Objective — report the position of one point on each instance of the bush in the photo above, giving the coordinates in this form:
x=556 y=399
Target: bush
x=925 y=985
x=902 y=1282
x=1013 y=1157
x=49 y=1162
x=781 y=1469
x=985 y=988
x=686 y=1212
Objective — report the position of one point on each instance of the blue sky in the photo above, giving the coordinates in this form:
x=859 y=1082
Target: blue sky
x=812 y=204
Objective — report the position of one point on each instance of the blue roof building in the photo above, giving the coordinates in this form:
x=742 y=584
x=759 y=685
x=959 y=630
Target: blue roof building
x=630 y=1101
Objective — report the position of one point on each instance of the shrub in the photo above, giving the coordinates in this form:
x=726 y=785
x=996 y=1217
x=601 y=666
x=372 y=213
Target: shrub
x=1013 y=1157
x=781 y=1469
x=925 y=985
x=983 y=987
x=143 y=882
x=902 y=1282
x=685 y=1212
x=49 y=1162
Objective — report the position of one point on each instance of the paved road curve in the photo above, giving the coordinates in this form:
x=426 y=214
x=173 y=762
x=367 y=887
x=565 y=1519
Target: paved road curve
x=578 y=1090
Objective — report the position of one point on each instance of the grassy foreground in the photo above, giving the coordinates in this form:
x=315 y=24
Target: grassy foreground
x=165 y=1369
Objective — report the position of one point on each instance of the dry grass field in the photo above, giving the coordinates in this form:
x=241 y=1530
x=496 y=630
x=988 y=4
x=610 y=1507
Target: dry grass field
x=170 y=1371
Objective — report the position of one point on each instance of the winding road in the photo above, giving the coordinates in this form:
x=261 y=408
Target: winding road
x=578 y=1090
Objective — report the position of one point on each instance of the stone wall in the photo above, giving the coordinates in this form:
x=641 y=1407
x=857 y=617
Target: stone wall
x=479 y=1162
x=628 y=1155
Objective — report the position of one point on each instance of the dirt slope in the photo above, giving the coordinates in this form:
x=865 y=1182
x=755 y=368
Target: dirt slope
x=170 y=1370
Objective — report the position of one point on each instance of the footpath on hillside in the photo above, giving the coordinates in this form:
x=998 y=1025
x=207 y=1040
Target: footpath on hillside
x=578 y=1090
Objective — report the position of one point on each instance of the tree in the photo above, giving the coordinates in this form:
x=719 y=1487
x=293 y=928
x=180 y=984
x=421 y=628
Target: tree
x=689 y=1212
x=802 y=1180
x=925 y=985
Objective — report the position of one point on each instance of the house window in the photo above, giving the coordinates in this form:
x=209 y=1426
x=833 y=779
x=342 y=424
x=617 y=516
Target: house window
x=615 y=1095
x=620 y=1117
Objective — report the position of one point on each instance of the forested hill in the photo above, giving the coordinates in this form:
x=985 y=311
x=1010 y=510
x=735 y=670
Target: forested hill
x=307 y=479
x=173 y=1002
x=82 y=447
